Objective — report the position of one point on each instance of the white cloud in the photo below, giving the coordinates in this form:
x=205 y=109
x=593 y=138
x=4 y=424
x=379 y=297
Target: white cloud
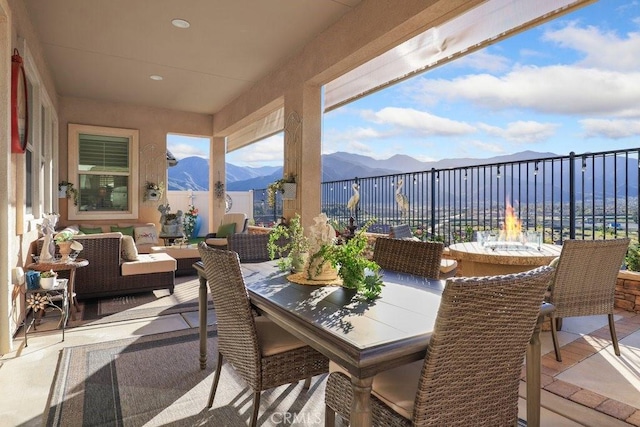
x=603 y=50
x=180 y=151
x=522 y=132
x=269 y=151
x=485 y=146
x=418 y=122
x=613 y=129
x=483 y=61
x=558 y=89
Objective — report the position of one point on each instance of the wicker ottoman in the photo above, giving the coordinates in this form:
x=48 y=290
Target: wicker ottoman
x=185 y=256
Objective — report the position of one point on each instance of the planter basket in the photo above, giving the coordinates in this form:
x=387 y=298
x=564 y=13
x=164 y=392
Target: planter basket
x=153 y=195
x=289 y=190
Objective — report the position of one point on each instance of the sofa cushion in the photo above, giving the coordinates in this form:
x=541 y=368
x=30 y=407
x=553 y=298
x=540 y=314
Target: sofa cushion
x=225 y=230
x=126 y=231
x=146 y=234
x=90 y=230
x=149 y=263
x=129 y=250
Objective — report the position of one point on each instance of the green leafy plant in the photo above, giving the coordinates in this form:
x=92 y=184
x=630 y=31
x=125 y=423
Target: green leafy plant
x=632 y=258
x=355 y=270
x=189 y=220
x=278 y=186
x=49 y=273
x=64 y=236
x=288 y=243
x=69 y=191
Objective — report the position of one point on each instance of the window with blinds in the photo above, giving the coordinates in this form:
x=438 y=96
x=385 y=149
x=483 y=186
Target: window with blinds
x=103 y=164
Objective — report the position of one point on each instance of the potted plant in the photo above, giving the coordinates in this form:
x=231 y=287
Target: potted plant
x=288 y=243
x=348 y=257
x=286 y=186
x=64 y=240
x=67 y=190
x=48 y=279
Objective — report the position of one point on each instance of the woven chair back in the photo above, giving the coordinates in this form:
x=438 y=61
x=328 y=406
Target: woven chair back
x=401 y=231
x=586 y=276
x=474 y=359
x=237 y=337
x=409 y=256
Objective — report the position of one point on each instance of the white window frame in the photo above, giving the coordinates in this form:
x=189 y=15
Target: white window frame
x=74 y=174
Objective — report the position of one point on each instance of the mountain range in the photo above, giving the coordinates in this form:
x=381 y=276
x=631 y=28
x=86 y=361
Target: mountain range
x=193 y=172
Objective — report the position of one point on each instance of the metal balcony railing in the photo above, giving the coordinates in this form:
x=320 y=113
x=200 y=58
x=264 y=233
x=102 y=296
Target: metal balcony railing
x=583 y=196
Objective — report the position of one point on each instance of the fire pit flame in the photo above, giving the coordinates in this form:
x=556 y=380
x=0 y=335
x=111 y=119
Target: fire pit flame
x=511 y=236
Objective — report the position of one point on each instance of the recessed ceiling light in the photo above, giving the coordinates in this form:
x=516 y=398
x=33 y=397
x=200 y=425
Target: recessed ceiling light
x=155 y=77
x=180 y=23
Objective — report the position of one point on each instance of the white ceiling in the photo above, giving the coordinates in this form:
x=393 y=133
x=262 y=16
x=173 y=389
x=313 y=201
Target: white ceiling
x=107 y=49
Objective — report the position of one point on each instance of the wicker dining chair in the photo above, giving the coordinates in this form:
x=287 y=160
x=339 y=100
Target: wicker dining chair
x=262 y=353
x=471 y=372
x=409 y=256
x=584 y=283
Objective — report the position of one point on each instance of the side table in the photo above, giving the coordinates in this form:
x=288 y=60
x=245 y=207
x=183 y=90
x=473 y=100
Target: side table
x=69 y=266
x=39 y=299
x=169 y=238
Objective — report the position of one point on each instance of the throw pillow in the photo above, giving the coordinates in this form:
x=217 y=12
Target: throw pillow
x=129 y=250
x=145 y=235
x=87 y=230
x=126 y=231
x=225 y=230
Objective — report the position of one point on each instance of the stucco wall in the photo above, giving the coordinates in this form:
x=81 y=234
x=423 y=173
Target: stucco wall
x=153 y=124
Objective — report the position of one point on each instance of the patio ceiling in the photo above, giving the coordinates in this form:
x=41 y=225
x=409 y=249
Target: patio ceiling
x=107 y=50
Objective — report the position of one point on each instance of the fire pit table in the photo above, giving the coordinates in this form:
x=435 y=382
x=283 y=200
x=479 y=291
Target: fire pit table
x=475 y=259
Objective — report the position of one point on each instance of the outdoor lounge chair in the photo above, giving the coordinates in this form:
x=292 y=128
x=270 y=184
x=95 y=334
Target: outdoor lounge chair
x=471 y=372
x=233 y=222
x=585 y=283
x=261 y=352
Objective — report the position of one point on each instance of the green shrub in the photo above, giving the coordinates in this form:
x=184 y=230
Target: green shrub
x=632 y=259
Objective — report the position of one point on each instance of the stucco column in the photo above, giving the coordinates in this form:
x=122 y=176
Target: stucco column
x=217 y=172
x=302 y=150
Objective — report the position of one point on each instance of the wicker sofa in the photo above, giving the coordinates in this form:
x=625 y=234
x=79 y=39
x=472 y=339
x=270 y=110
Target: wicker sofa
x=108 y=275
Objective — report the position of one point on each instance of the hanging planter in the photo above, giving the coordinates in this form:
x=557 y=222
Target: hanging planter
x=66 y=190
x=152 y=192
x=286 y=186
x=289 y=190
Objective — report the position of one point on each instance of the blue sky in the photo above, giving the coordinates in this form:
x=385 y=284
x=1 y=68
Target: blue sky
x=572 y=84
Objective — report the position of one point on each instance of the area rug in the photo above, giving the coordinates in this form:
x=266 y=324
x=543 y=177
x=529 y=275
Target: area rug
x=156 y=380
x=137 y=306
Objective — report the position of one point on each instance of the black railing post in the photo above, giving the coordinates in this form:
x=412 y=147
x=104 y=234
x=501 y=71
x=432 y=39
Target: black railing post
x=433 y=203
x=572 y=196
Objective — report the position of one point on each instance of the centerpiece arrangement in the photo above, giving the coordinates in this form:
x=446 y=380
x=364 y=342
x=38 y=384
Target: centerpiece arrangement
x=331 y=258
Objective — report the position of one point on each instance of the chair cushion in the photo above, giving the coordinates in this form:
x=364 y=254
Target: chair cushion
x=126 y=231
x=397 y=387
x=149 y=263
x=226 y=230
x=272 y=339
x=129 y=250
x=145 y=234
x=214 y=241
x=448 y=265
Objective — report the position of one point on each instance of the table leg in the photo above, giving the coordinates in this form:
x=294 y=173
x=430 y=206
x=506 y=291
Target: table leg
x=202 y=312
x=72 y=293
x=533 y=376
x=361 y=405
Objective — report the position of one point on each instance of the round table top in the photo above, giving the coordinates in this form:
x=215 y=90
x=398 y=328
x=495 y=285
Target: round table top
x=58 y=265
x=522 y=255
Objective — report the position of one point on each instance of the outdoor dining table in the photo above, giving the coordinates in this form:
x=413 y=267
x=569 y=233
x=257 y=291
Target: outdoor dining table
x=364 y=337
